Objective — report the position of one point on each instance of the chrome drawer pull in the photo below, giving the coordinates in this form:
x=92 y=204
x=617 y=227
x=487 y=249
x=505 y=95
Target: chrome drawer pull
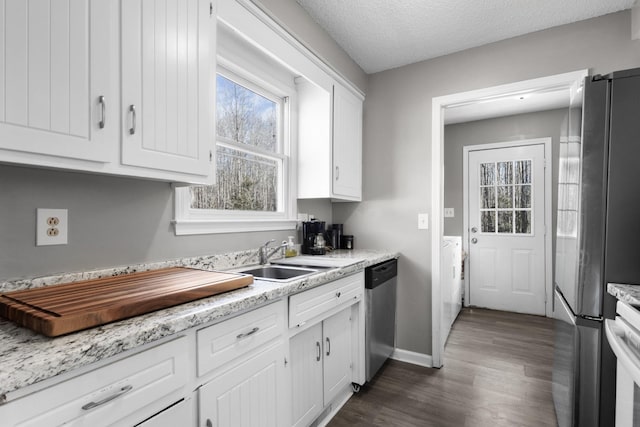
x=102 y=101
x=132 y=110
x=117 y=394
x=338 y=294
x=319 y=355
x=328 y=346
x=246 y=334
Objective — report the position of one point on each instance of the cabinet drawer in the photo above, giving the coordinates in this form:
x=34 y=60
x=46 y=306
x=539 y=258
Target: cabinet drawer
x=108 y=395
x=228 y=340
x=312 y=303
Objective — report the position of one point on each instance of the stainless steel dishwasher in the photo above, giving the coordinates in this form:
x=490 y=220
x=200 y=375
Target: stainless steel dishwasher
x=380 y=329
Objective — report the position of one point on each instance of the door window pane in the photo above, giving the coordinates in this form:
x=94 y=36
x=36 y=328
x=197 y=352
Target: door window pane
x=523 y=172
x=523 y=196
x=505 y=222
x=487 y=173
x=505 y=172
x=488 y=197
x=488 y=220
x=505 y=197
x=523 y=222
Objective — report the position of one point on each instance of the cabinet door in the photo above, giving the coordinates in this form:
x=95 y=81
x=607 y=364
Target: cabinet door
x=306 y=375
x=58 y=60
x=337 y=353
x=347 y=145
x=168 y=85
x=250 y=394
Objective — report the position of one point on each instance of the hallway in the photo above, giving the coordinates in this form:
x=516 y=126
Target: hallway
x=497 y=373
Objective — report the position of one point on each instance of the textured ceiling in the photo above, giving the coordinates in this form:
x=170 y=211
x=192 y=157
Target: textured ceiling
x=385 y=34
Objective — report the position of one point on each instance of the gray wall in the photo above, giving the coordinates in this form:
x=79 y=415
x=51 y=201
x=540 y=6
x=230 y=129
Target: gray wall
x=397 y=140
x=503 y=129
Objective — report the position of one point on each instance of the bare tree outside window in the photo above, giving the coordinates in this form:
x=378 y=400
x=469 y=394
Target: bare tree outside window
x=247 y=148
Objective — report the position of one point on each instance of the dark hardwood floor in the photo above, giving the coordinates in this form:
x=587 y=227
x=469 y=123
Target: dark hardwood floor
x=497 y=372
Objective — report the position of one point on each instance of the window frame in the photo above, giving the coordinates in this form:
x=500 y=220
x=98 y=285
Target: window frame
x=211 y=221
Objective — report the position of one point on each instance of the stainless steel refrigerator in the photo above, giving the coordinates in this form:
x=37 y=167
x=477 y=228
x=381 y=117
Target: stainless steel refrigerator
x=597 y=241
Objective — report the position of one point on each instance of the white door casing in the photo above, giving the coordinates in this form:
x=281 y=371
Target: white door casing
x=438 y=107
x=505 y=206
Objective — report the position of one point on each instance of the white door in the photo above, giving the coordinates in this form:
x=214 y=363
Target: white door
x=337 y=353
x=250 y=394
x=57 y=78
x=347 y=144
x=306 y=375
x=506 y=214
x=168 y=85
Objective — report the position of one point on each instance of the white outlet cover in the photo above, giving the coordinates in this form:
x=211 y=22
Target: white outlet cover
x=449 y=213
x=42 y=238
x=423 y=221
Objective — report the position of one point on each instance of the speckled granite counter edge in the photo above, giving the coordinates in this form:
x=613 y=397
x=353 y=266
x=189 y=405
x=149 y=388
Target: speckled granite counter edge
x=27 y=358
x=627 y=293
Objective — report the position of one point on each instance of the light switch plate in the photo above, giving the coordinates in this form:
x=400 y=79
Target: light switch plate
x=449 y=213
x=423 y=221
x=51 y=227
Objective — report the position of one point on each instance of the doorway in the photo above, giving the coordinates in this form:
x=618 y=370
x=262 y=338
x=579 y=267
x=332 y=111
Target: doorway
x=439 y=105
x=507 y=211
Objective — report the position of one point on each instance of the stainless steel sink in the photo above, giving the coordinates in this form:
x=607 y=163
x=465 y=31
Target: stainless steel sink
x=278 y=273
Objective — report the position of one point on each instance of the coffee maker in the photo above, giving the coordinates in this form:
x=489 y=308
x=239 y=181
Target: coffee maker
x=310 y=231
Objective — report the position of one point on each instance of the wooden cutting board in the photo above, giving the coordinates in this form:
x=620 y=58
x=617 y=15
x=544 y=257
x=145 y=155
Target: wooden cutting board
x=60 y=309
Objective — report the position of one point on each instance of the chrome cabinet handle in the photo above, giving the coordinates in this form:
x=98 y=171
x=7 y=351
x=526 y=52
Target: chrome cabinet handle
x=209 y=423
x=319 y=355
x=337 y=173
x=328 y=346
x=246 y=334
x=117 y=394
x=132 y=110
x=338 y=294
x=103 y=109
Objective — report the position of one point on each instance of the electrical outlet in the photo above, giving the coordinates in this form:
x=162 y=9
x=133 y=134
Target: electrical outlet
x=51 y=227
x=449 y=213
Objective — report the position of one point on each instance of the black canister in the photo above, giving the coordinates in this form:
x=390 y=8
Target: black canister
x=346 y=241
x=337 y=236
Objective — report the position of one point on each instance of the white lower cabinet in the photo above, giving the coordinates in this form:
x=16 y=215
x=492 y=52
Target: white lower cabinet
x=250 y=394
x=242 y=363
x=320 y=366
x=123 y=393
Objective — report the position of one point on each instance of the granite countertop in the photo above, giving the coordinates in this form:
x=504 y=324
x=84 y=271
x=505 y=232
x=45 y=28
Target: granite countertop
x=27 y=357
x=627 y=293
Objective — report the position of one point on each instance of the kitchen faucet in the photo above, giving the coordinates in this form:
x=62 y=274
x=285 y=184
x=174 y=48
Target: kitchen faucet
x=265 y=254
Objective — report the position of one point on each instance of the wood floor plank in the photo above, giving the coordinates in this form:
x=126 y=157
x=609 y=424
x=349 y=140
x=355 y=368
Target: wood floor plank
x=497 y=373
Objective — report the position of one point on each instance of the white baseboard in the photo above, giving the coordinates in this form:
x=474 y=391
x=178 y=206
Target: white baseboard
x=412 y=357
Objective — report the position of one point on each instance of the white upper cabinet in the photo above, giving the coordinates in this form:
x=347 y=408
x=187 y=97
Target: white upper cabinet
x=347 y=144
x=330 y=142
x=168 y=85
x=58 y=86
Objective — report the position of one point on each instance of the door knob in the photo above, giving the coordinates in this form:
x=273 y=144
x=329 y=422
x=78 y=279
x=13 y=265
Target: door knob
x=474 y=229
x=474 y=240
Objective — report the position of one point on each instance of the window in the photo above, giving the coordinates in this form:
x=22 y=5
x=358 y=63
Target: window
x=253 y=167
x=505 y=197
x=249 y=158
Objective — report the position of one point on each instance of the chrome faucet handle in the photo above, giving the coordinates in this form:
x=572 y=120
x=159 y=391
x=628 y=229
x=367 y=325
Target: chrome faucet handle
x=268 y=243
